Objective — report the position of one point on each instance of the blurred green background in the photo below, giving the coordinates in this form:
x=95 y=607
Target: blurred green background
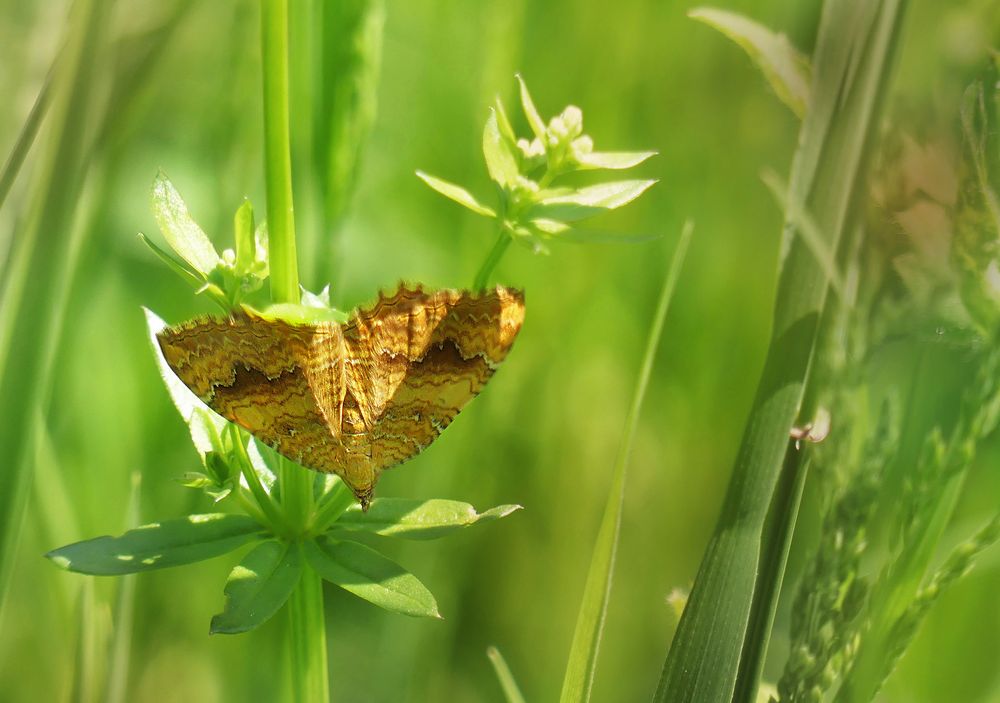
x=545 y=432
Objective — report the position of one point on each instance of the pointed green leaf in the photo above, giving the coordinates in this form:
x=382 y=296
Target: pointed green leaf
x=611 y=159
x=589 y=201
x=181 y=232
x=535 y=120
x=417 y=519
x=158 y=545
x=246 y=241
x=195 y=278
x=258 y=586
x=503 y=124
x=500 y=159
x=784 y=66
x=370 y=575
x=299 y=314
x=457 y=193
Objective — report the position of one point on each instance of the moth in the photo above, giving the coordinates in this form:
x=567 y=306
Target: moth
x=352 y=399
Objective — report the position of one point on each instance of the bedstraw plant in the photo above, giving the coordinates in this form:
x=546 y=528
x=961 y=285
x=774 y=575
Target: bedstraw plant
x=301 y=525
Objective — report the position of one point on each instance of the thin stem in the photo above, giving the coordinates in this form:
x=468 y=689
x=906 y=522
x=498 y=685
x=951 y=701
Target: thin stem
x=333 y=506
x=492 y=259
x=273 y=515
x=277 y=153
x=306 y=622
x=25 y=139
x=307 y=640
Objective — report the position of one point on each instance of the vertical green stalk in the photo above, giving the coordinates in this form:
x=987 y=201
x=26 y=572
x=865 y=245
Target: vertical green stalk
x=278 y=153
x=722 y=636
x=307 y=640
x=306 y=621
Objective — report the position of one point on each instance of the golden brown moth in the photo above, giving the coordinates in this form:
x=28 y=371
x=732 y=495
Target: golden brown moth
x=352 y=399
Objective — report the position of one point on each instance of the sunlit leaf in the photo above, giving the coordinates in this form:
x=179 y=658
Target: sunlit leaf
x=371 y=576
x=181 y=232
x=589 y=201
x=535 y=120
x=258 y=586
x=158 y=545
x=611 y=159
x=417 y=519
x=784 y=66
x=457 y=193
x=500 y=160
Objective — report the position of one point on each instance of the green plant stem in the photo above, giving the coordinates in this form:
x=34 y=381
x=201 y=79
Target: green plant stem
x=278 y=154
x=307 y=640
x=264 y=502
x=492 y=259
x=306 y=621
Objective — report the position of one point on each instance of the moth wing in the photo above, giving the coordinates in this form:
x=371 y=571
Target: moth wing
x=274 y=379
x=439 y=349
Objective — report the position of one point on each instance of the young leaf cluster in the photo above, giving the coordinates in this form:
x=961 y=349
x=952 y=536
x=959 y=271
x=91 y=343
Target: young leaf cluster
x=533 y=210
x=229 y=279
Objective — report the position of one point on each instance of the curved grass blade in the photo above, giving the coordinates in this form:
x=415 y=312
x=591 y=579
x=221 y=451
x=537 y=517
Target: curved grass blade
x=784 y=66
x=417 y=519
x=258 y=586
x=158 y=545
x=579 y=676
x=511 y=691
x=370 y=575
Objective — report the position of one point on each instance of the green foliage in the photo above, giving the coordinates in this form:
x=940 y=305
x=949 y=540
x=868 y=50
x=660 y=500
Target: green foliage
x=719 y=648
x=532 y=211
x=258 y=586
x=785 y=67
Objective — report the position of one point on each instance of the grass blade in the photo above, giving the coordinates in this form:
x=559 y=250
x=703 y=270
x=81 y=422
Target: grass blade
x=511 y=691
x=12 y=166
x=579 y=677
x=44 y=262
x=716 y=654
x=121 y=636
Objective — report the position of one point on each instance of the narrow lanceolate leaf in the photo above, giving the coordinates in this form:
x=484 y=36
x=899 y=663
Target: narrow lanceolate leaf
x=258 y=586
x=579 y=677
x=535 y=120
x=784 y=66
x=194 y=278
x=370 y=575
x=511 y=691
x=158 y=545
x=246 y=243
x=612 y=159
x=417 y=519
x=181 y=232
x=589 y=201
x=457 y=193
x=499 y=155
